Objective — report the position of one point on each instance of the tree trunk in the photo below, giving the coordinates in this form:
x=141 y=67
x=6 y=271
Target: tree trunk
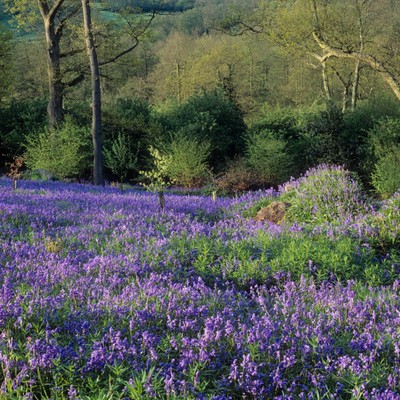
x=56 y=86
x=179 y=81
x=356 y=82
x=325 y=81
x=96 y=95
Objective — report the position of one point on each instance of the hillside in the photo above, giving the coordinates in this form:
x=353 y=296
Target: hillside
x=106 y=295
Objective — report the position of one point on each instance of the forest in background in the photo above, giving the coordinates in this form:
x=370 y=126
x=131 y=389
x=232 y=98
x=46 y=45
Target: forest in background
x=216 y=92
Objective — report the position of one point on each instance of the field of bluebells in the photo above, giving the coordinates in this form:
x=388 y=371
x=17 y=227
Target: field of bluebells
x=105 y=296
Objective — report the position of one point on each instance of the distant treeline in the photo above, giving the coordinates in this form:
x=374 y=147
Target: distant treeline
x=147 y=6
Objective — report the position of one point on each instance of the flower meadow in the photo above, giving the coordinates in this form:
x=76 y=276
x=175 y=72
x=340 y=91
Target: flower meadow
x=105 y=296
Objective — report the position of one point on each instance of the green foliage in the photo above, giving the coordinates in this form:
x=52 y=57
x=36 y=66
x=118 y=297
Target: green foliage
x=119 y=158
x=291 y=126
x=182 y=161
x=259 y=259
x=25 y=12
x=188 y=165
x=325 y=130
x=17 y=121
x=209 y=116
x=322 y=258
x=384 y=135
x=386 y=174
x=329 y=136
x=6 y=62
x=384 y=140
x=63 y=152
x=157 y=176
x=268 y=158
x=132 y=118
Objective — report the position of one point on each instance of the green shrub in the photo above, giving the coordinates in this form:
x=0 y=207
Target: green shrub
x=119 y=157
x=18 y=120
x=386 y=174
x=384 y=135
x=326 y=129
x=384 y=141
x=211 y=116
x=267 y=157
x=131 y=118
x=188 y=166
x=290 y=125
x=182 y=161
x=64 y=152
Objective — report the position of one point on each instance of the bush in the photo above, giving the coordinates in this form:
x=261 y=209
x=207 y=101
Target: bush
x=324 y=194
x=268 y=158
x=238 y=177
x=211 y=116
x=384 y=140
x=131 y=118
x=325 y=130
x=188 y=166
x=64 y=152
x=18 y=120
x=182 y=161
x=386 y=174
x=285 y=125
x=119 y=157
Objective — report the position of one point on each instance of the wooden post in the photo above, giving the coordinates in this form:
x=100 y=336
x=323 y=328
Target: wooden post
x=161 y=200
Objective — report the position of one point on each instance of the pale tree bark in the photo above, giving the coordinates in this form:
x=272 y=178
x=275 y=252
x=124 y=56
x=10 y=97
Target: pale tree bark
x=375 y=64
x=325 y=81
x=346 y=90
x=359 y=56
x=96 y=95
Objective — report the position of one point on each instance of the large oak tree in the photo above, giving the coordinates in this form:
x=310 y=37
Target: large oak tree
x=55 y=16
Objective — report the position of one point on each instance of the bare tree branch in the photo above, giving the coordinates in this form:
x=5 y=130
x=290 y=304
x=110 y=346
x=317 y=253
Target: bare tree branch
x=119 y=55
x=136 y=37
x=75 y=81
x=370 y=60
